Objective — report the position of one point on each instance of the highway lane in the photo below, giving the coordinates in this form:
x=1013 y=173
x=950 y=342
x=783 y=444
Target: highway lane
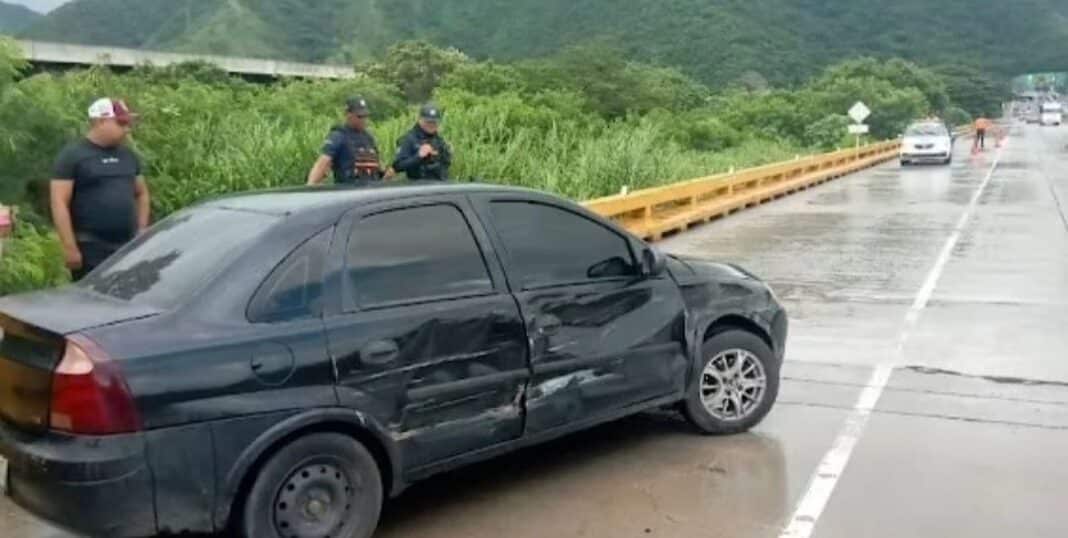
x=929 y=306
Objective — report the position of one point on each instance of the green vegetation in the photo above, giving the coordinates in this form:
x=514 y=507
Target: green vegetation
x=723 y=42
x=584 y=122
x=33 y=259
x=15 y=18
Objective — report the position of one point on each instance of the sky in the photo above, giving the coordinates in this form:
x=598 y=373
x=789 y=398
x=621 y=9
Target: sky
x=42 y=6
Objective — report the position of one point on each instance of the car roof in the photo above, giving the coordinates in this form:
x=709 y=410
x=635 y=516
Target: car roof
x=332 y=198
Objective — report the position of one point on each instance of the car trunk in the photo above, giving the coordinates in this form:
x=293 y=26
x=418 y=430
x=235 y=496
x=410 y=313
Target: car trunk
x=32 y=342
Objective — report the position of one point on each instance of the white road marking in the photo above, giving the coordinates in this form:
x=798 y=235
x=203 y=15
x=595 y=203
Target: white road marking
x=823 y=482
x=821 y=485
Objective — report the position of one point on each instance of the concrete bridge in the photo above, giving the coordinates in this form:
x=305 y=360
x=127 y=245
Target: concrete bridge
x=63 y=54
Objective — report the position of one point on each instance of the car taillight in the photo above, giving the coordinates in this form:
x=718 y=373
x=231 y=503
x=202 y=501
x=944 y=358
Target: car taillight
x=89 y=393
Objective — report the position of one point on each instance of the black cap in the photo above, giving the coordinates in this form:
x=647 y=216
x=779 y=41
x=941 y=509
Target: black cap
x=431 y=113
x=358 y=106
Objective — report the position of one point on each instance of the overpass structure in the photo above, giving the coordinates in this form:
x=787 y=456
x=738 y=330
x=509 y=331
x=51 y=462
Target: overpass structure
x=63 y=54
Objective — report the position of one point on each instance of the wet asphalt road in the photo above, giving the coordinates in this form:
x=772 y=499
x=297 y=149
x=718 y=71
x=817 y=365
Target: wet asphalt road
x=951 y=281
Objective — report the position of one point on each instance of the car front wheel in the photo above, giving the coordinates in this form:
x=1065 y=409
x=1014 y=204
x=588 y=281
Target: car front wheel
x=321 y=485
x=737 y=384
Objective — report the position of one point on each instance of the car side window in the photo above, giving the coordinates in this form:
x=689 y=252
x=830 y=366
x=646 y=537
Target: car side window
x=550 y=246
x=294 y=290
x=414 y=254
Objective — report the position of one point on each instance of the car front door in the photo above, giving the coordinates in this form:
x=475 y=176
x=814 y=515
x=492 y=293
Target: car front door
x=429 y=342
x=603 y=335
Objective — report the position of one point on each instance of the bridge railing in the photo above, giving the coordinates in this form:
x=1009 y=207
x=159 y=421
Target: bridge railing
x=659 y=211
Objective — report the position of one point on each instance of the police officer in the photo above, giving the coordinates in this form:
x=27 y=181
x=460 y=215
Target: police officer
x=350 y=150
x=422 y=153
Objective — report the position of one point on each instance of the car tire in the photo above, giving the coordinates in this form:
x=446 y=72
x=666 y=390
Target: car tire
x=904 y=163
x=720 y=355
x=335 y=479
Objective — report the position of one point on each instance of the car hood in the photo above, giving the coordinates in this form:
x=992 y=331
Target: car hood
x=70 y=309
x=712 y=270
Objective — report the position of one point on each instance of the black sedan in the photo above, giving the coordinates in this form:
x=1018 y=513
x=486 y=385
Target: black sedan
x=275 y=364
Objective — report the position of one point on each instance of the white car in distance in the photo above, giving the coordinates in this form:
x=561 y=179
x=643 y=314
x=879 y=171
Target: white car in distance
x=927 y=142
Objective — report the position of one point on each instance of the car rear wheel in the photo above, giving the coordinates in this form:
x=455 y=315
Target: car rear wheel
x=737 y=384
x=322 y=485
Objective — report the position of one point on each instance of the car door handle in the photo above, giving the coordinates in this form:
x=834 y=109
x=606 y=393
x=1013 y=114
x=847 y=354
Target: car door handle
x=549 y=325
x=379 y=353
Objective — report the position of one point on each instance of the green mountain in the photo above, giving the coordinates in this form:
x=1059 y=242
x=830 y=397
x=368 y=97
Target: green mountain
x=714 y=40
x=14 y=18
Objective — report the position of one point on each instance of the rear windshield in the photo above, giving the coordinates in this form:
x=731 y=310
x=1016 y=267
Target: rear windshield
x=178 y=255
x=927 y=129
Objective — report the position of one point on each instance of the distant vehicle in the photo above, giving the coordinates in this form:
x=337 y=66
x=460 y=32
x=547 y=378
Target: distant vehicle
x=1052 y=113
x=1032 y=114
x=326 y=348
x=927 y=142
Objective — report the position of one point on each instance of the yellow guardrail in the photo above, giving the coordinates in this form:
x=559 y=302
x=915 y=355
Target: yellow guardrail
x=659 y=211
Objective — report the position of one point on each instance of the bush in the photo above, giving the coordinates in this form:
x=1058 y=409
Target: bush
x=700 y=132
x=829 y=132
x=32 y=259
x=485 y=78
x=416 y=67
x=957 y=117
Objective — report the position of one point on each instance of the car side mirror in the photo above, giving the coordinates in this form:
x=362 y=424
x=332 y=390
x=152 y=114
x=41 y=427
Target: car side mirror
x=612 y=267
x=654 y=262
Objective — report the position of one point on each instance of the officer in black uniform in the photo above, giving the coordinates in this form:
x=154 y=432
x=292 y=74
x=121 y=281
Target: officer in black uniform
x=350 y=150
x=423 y=154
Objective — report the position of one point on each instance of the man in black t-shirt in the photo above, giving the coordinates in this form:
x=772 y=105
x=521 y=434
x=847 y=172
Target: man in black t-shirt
x=99 y=198
x=350 y=150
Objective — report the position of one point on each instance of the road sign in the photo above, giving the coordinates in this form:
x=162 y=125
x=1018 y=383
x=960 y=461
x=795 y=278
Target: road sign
x=858 y=129
x=859 y=112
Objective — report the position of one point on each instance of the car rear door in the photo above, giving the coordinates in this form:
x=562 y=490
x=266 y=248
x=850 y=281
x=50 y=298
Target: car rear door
x=428 y=341
x=603 y=336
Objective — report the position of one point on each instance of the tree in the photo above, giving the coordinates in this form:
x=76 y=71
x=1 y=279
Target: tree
x=612 y=85
x=898 y=73
x=484 y=78
x=752 y=81
x=977 y=93
x=12 y=65
x=416 y=67
x=893 y=107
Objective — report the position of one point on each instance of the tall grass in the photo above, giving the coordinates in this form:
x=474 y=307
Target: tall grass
x=203 y=139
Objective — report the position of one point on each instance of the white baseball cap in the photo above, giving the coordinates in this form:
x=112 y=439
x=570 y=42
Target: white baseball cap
x=111 y=108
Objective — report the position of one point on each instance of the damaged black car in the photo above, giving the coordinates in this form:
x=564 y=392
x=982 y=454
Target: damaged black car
x=277 y=364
